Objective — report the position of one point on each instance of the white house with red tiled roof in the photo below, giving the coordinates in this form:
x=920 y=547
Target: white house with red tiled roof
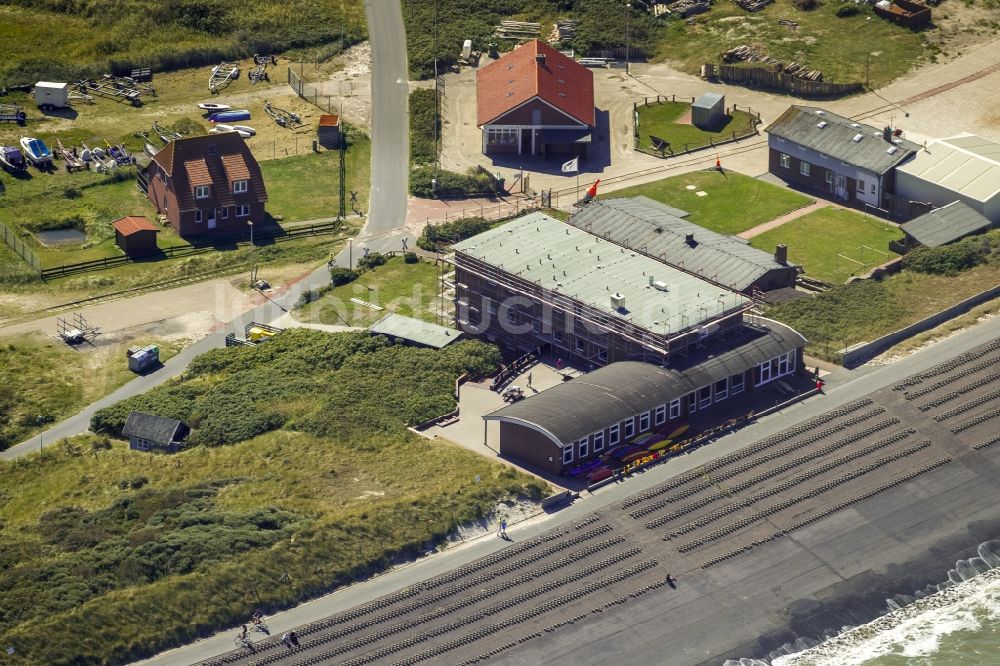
x=535 y=101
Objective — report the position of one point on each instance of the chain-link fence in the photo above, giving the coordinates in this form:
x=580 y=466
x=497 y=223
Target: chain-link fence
x=20 y=247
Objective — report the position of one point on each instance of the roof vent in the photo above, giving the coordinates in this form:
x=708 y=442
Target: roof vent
x=857 y=138
x=659 y=285
x=689 y=239
x=855 y=125
x=540 y=58
x=892 y=150
x=618 y=301
x=822 y=124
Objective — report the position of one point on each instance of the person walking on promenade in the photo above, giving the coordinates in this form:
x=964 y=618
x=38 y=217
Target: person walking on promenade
x=502 y=532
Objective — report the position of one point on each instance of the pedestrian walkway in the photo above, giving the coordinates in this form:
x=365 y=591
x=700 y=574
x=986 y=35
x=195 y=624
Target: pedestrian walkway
x=787 y=217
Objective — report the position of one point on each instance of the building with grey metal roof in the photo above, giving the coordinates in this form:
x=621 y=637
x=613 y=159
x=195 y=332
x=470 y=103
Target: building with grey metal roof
x=581 y=418
x=415 y=331
x=945 y=225
x=848 y=160
x=536 y=281
x=661 y=232
x=149 y=431
x=964 y=168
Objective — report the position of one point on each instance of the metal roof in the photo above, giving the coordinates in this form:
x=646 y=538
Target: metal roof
x=656 y=230
x=968 y=165
x=415 y=330
x=836 y=138
x=159 y=429
x=591 y=402
x=708 y=100
x=519 y=76
x=561 y=258
x=946 y=225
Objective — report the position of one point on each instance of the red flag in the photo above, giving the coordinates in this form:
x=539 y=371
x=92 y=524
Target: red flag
x=592 y=190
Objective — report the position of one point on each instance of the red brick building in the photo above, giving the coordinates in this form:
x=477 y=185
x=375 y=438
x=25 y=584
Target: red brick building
x=535 y=101
x=207 y=185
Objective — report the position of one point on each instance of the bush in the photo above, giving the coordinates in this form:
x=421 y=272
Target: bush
x=450 y=184
x=848 y=10
x=948 y=259
x=423 y=126
x=371 y=260
x=434 y=236
x=340 y=276
x=805 y=5
x=411 y=258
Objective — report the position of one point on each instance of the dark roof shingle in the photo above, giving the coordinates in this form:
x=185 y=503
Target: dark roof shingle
x=154 y=428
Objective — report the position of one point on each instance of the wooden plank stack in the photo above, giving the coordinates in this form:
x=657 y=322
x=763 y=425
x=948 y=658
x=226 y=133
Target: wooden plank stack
x=517 y=30
x=753 y=5
x=744 y=53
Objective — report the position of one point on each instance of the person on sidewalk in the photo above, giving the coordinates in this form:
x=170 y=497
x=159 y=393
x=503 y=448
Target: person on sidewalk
x=502 y=533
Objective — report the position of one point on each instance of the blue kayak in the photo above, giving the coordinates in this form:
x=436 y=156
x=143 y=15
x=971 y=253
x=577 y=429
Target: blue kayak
x=228 y=116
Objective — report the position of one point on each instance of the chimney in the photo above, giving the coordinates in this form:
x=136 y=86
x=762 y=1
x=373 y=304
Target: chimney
x=887 y=133
x=689 y=239
x=540 y=58
x=781 y=254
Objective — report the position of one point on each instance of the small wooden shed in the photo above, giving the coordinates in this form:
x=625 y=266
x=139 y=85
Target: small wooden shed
x=328 y=132
x=708 y=111
x=136 y=236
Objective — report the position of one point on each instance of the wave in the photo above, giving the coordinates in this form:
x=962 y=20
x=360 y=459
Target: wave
x=913 y=625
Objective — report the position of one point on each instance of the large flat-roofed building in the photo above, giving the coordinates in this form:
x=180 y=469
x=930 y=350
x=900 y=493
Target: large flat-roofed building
x=829 y=153
x=535 y=101
x=581 y=419
x=537 y=282
x=661 y=232
x=963 y=168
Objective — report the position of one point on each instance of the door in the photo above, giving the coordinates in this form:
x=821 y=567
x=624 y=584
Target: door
x=841 y=187
x=214 y=214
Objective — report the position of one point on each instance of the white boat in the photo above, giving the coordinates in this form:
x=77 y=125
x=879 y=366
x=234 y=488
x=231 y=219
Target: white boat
x=209 y=106
x=36 y=151
x=221 y=128
x=244 y=128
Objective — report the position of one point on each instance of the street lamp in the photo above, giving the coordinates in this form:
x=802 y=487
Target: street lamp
x=250 y=222
x=628 y=36
x=868 y=48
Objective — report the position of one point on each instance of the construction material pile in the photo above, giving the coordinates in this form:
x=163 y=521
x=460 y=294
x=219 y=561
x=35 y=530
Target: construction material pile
x=518 y=30
x=563 y=31
x=753 y=5
x=744 y=53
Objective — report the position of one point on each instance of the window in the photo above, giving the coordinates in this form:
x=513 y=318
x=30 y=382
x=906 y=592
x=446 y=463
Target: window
x=598 y=439
x=242 y=211
x=501 y=136
x=692 y=402
x=602 y=355
x=197 y=217
x=873 y=188
x=613 y=435
x=582 y=448
x=804 y=168
x=239 y=186
x=764 y=373
x=705 y=396
x=829 y=177
x=629 y=429
x=721 y=389
x=568 y=454
x=782 y=366
x=786 y=161
x=861 y=185
x=201 y=192
x=557 y=335
x=661 y=415
x=644 y=422
x=675 y=409
x=579 y=345
x=736 y=384
x=224 y=213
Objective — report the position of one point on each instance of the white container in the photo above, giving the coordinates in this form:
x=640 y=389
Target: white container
x=50 y=95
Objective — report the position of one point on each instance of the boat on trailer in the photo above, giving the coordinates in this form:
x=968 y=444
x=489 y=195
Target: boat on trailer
x=12 y=159
x=119 y=154
x=36 y=151
x=166 y=136
x=69 y=156
x=101 y=160
x=150 y=149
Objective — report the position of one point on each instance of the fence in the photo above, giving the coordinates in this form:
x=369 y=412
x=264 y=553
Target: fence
x=20 y=248
x=765 y=77
x=667 y=149
x=313 y=93
x=488 y=211
x=190 y=249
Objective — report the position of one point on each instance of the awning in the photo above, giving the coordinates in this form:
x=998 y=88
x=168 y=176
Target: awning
x=566 y=135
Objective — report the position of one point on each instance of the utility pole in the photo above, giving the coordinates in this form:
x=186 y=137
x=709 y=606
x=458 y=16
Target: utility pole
x=868 y=49
x=628 y=36
x=250 y=222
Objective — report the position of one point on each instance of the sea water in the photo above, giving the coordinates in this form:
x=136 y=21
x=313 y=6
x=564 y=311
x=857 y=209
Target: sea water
x=956 y=623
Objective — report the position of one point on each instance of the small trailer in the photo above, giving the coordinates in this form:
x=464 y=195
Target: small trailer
x=50 y=95
x=166 y=135
x=69 y=157
x=75 y=330
x=109 y=89
x=222 y=75
x=254 y=333
x=282 y=117
x=101 y=161
x=12 y=113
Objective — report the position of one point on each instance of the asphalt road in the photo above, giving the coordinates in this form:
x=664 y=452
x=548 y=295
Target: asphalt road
x=809 y=578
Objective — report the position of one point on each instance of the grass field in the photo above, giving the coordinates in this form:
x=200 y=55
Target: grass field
x=816 y=239
x=43 y=381
x=822 y=41
x=660 y=120
x=150 y=551
x=734 y=202
x=407 y=289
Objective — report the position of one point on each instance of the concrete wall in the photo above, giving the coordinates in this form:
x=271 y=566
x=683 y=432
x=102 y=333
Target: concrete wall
x=860 y=353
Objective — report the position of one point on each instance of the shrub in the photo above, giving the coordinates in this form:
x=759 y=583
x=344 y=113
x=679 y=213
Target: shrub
x=848 y=10
x=341 y=276
x=72 y=193
x=450 y=184
x=411 y=258
x=434 y=236
x=371 y=261
x=805 y=5
x=423 y=126
x=948 y=259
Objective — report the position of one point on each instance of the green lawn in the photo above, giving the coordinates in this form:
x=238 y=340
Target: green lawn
x=734 y=202
x=815 y=240
x=306 y=480
x=822 y=41
x=306 y=187
x=407 y=289
x=660 y=120
x=43 y=381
